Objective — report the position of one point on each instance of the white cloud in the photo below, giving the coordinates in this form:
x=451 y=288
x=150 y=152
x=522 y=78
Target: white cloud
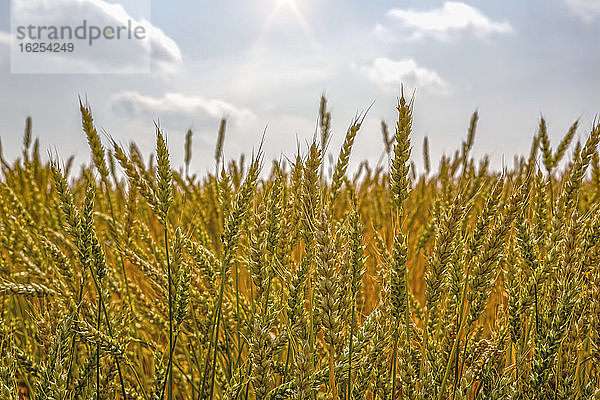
x=4 y=38
x=390 y=74
x=450 y=22
x=178 y=104
x=4 y=45
x=159 y=49
x=585 y=9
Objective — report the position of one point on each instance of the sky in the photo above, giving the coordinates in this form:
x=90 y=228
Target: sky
x=265 y=63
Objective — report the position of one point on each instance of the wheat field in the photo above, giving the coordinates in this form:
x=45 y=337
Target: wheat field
x=135 y=279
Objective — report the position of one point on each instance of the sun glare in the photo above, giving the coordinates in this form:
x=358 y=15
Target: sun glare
x=290 y=5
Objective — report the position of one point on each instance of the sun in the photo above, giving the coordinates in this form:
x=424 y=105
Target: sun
x=288 y=3
x=293 y=6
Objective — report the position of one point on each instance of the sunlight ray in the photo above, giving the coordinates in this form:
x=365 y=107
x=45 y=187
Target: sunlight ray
x=293 y=7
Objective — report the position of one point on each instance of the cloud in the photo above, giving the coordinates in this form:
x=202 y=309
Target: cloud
x=390 y=74
x=156 y=50
x=450 y=22
x=4 y=46
x=4 y=39
x=165 y=52
x=178 y=104
x=585 y=9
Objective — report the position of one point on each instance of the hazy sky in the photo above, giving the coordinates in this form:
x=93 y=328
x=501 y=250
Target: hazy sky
x=265 y=63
